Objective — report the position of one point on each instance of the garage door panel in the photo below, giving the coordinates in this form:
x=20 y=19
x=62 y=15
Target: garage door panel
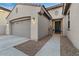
x=21 y=28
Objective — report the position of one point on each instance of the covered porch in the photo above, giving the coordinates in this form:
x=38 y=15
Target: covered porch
x=56 y=26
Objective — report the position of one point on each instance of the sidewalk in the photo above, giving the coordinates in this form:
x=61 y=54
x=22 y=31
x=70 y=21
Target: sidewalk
x=51 y=48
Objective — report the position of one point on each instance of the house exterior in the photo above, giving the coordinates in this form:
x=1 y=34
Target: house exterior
x=71 y=22
x=29 y=20
x=57 y=15
x=3 y=22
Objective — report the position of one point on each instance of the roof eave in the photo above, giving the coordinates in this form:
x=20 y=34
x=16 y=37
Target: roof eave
x=5 y=9
x=67 y=8
x=54 y=7
x=30 y=4
x=47 y=12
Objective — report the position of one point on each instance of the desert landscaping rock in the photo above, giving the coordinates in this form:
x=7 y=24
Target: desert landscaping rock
x=67 y=48
x=31 y=47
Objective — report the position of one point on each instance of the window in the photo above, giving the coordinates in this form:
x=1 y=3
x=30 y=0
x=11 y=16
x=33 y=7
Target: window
x=69 y=20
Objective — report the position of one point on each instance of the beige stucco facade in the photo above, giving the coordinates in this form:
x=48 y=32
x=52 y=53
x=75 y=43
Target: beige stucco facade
x=43 y=25
x=3 y=15
x=3 y=22
x=56 y=13
x=25 y=10
x=73 y=33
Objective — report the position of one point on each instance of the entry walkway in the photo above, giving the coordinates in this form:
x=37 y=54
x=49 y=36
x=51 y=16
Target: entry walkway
x=51 y=48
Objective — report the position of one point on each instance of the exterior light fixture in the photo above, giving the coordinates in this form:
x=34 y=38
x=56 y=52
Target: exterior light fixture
x=33 y=20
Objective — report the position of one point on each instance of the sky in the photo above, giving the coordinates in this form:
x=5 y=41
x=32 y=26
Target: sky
x=11 y=5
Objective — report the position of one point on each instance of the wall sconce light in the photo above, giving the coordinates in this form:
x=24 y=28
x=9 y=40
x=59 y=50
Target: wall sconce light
x=33 y=20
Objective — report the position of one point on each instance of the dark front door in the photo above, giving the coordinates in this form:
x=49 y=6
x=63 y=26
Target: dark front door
x=58 y=27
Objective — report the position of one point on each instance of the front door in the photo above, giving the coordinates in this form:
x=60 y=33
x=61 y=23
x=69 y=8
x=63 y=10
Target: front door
x=58 y=27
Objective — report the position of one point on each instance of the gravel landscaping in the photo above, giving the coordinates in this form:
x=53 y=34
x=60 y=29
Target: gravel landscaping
x=31 y=47
x=67 y=48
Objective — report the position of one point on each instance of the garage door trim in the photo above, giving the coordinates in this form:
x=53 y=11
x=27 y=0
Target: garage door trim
x=21 y=19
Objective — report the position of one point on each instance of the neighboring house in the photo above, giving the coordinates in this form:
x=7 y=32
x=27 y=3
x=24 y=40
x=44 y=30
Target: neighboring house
x=3 y=22
x=29 y=20
x=71 y=22
x=57 y=15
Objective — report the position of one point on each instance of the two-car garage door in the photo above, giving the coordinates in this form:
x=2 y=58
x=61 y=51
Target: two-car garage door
x=21 y=27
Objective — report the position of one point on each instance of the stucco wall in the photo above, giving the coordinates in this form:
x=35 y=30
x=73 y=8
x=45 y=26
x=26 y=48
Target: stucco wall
x=65 y=25
x=43 y=24
x=73 y=34
x=3 y=15
x=53 y=13
x=26 y=10
x=23 y=10
x=34 y=28
x=2 y=29
x=3 y=21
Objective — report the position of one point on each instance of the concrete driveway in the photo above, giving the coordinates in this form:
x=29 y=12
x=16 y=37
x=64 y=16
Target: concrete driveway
x=7 y=41
x=51 y=48
x=11 y=51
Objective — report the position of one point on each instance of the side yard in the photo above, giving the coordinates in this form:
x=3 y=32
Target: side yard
x=67 y=48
